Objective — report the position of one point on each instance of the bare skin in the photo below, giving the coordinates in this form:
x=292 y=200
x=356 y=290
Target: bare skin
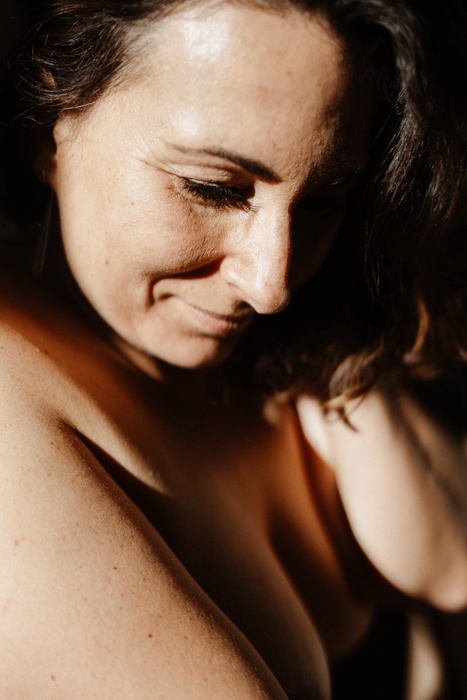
x=164 y=538
x=90 y=556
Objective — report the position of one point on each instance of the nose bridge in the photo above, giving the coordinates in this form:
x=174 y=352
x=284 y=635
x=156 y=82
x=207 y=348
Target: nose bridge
x=260 y=259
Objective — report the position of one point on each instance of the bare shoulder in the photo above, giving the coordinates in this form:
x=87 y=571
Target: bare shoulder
x=92 y=602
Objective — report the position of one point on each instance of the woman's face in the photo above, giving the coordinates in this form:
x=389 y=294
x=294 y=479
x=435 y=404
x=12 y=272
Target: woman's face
x=212 y=184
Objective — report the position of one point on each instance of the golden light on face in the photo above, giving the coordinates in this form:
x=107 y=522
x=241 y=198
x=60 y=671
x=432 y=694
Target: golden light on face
x=212 y=185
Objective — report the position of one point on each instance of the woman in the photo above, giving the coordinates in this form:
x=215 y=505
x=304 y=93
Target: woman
x=170 y=528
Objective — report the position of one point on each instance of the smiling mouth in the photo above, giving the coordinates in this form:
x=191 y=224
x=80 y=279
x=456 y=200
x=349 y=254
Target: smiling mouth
x=220 y=325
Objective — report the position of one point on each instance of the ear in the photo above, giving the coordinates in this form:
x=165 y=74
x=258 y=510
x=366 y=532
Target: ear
x=44 y=151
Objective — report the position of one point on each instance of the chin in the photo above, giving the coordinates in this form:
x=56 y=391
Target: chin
x=200 y=361
x=198 y=355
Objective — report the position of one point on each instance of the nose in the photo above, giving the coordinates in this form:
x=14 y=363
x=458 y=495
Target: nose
x=257 y=260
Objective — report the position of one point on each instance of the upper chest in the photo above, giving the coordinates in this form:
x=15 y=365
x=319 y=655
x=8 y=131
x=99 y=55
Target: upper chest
x=228 y=488
x=226 y=497
x=224 y=481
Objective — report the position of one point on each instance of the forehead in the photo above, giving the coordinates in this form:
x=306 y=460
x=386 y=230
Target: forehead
x=238 y=46
x=234 y=76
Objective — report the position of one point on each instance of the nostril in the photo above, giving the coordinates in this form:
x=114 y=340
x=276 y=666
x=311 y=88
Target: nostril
x=260 y=286
x=274 y=302
x=202 y=271
x=257 y=260
x=270 y=283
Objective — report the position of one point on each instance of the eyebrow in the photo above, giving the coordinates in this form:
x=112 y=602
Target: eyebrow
x=254 y=167
x=263 y=172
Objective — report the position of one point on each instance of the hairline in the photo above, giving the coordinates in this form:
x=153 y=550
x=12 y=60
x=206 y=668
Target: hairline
x=136 y=46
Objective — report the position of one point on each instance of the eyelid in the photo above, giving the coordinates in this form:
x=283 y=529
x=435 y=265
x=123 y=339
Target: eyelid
x=214 y=186
x=322 y=204
x=338 y=186
x=342 y=181
x=217 y=194
x=329 y=197
x=331 y=192
x=208 y=183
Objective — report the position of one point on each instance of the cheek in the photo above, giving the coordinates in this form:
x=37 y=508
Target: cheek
x=156 y=228
x=162 y=239
x=123 y=224
x=136 y=230
x=313 y=239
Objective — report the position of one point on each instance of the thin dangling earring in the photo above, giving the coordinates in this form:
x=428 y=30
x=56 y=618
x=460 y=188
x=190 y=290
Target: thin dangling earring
x=43 y=240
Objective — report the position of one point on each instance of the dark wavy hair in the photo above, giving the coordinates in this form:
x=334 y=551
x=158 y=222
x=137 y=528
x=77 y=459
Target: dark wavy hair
x=392 y=293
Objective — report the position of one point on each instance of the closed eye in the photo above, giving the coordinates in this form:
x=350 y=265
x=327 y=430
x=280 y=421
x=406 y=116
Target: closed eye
x=322 y=203
x=217 y=194
x=332 y=198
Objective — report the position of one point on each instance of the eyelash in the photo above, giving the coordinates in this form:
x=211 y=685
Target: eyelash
x=220 y=196
x=215 y=194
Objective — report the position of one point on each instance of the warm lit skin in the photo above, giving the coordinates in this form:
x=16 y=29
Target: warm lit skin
x=213 y=184
x=168 y=539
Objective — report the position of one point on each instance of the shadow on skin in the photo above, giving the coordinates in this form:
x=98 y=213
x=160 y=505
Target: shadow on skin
x=155 y=506
x=160 y=511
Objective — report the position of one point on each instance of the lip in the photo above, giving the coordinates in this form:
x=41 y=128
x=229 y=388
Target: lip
x=220 y=325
